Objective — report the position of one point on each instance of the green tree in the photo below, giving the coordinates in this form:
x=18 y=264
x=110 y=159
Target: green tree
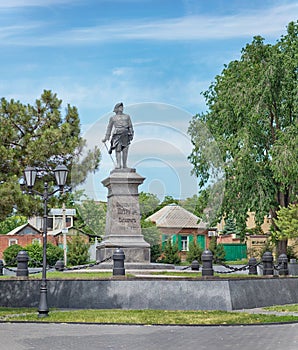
x=91 y=217
x=195 y=252
x=171 y=253
x=39 y=135
x=287 y=221
x=152 y=236
x=78 y=251
x=10 y=254
x=252 y=118
x=217 y=250
x=230 y=227
x=12 y=222
x=148 y=204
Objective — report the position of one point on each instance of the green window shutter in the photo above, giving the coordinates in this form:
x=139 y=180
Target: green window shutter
x=174 y=239
x=201 y=241
x=190 y=239
x=179 y=243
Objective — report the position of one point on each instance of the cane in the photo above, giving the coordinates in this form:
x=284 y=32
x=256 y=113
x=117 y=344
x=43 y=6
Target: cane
x=109 y=153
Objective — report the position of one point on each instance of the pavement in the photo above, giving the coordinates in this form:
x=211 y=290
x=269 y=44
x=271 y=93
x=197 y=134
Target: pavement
x=30 y=336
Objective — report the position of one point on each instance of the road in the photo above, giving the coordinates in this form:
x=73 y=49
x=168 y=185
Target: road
x=29 y=336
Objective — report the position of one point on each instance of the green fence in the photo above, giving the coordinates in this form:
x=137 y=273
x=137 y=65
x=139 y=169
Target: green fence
x=235 y=251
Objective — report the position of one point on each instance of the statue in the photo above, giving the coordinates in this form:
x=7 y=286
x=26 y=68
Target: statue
x=122 y=135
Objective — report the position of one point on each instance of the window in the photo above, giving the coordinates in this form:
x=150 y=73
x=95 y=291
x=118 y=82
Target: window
x=184 y=243
x=36 y=240
x=12 y=242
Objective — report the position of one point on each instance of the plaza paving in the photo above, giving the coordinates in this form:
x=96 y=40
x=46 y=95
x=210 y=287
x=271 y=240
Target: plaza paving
x=29 y=336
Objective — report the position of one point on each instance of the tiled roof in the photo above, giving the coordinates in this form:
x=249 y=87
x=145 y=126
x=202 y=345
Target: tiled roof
x=19 y=228
x=174 y=216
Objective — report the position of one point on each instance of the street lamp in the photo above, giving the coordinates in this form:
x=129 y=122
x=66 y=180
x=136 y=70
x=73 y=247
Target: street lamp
x=30 y=176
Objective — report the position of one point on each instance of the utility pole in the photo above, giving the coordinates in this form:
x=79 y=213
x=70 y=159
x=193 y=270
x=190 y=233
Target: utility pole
x=64 y=232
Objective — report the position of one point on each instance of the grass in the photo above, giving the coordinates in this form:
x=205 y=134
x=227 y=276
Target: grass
x=142 y=317
x=283 y=308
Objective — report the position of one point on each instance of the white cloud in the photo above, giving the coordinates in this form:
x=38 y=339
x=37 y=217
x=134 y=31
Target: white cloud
x=268 y=22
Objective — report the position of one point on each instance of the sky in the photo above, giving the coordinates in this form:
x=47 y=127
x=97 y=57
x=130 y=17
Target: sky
x=155 y=56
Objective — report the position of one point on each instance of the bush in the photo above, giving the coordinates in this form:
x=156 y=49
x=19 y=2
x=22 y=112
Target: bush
x=170 y=253
x=217 y=250
x=10 y=254
x=35 y=252
x=194 y=253
x=78 y=251
x=54 y=253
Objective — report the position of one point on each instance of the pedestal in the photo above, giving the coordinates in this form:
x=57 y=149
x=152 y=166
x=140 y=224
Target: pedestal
x=123 y=227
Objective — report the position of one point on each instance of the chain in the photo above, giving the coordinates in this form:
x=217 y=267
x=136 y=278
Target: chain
x=80 y=267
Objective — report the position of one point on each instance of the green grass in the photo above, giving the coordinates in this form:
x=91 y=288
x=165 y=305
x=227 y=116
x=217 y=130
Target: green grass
x=283 y=308
x=142 y=317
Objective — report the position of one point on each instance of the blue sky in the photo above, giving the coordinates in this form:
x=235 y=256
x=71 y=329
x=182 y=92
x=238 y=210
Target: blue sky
x=156 y=56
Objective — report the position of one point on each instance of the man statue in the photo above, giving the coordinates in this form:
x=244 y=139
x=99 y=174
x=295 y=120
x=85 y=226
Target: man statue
x=122 y=135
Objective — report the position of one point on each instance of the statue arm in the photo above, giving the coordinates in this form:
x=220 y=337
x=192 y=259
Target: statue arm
x=109 y=130
x=130 y=128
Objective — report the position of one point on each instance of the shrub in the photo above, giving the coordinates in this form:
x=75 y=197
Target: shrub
x=194 y=253
x=170 y=253
x=10 y=254
x=78 y=251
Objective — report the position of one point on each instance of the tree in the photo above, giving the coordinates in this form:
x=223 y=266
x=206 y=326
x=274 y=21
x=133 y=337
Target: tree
x=287 y=221
x=217 y=250
x=11 y=223
x=152 y=236
x=148 y=204
x=194 y=253
x=38 y=135
x=252 y=118
x=230 y=227
x=170 y=253
x=78 y=251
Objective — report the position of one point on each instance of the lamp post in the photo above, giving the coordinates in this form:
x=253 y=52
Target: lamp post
x=30 y=176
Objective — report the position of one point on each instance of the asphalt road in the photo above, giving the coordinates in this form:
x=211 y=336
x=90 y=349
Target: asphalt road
x=29 y=336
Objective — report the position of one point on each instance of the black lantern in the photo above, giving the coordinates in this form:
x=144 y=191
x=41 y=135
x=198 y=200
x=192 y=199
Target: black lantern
x=61 y=174
x=30 y=176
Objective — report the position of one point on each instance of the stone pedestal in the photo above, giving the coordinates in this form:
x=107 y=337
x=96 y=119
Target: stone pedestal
x=123 y=227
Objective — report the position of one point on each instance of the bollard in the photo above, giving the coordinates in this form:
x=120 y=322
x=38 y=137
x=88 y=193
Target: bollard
x=22 y=267
x=1 y=267
x=195 y=265
x=252 y=266
x=207 y=266
x=283 y=265
x=59 y=266
x=118 y=262
x=267 y=260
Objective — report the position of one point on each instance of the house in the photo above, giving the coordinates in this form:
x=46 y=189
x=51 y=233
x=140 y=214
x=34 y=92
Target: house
x=31 y=232
x=182 y=227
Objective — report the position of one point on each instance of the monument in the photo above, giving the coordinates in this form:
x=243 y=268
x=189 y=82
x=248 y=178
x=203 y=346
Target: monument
x=123 y=227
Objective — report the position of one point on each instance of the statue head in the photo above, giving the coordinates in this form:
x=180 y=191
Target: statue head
x=117 y=106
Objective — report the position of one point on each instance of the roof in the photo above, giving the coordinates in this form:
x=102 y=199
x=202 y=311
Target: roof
x=174 y=216
x=20 y=228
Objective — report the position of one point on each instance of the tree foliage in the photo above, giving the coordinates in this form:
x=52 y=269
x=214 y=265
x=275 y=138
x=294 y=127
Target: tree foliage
x=287 y=221
x=11 y=223
x=40 y=136
x=194 y=253
x=78 y=251
x=253 y=120
x=170 y=253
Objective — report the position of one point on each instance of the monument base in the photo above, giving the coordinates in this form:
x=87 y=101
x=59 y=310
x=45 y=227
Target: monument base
x=132 y=254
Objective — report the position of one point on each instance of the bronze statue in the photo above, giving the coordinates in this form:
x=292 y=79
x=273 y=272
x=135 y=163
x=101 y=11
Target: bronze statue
x=122 y=135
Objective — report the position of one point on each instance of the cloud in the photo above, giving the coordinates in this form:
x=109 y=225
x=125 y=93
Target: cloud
x=267 y=22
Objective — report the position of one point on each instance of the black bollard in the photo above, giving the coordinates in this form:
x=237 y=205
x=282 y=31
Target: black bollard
x=252 y=266
x=195 y=265
x=1 y=267
x=283 y=265
x=22 y=267
x=268 y=267
x=207 y=266
x=59 y=266
x=118 y=262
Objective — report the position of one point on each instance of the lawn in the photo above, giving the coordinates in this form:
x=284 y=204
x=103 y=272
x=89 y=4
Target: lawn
x=142 y=317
